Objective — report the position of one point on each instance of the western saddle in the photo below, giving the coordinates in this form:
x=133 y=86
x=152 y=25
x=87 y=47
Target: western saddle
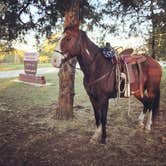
x=131 y=71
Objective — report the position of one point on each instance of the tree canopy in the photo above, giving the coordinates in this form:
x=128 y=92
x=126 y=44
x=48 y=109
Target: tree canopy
x=151 y=14
x=19 y=16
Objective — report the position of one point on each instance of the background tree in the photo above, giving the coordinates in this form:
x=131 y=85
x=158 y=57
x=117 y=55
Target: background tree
x=47 y=48
x=140 y=16
x=160 y=31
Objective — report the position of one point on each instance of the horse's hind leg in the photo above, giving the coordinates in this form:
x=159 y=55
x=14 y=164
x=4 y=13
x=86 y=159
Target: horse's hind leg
x=141 y=117
x=147 y=102
x=149 y=121
x=154 y=100
x=144 y=101
x=148 y=105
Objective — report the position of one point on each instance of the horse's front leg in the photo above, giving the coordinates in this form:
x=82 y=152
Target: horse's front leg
x=100 y=111
x=104 y=110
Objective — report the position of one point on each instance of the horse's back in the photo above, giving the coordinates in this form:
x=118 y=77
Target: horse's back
x=154 y=69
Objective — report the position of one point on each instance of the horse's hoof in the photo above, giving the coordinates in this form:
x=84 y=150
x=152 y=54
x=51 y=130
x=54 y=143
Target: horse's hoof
x=141 y=125
x=103 y=141
x=93 y=141
x=147 y=130
x=163 y=139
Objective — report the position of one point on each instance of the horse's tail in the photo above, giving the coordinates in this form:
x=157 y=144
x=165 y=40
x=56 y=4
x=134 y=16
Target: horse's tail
x=156 y=104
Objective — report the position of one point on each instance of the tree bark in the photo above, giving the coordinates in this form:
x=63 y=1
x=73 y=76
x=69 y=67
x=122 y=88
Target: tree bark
x=66 y=90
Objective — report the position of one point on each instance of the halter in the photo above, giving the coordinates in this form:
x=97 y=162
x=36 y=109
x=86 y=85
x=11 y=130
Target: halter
x=63 y=53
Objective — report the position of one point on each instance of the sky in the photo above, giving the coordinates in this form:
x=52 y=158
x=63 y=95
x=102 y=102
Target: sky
x=120 y=39
x=30 y=46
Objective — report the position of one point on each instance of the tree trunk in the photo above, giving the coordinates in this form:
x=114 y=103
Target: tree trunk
x=153 y=44
x=67 y=72
x=66 y=90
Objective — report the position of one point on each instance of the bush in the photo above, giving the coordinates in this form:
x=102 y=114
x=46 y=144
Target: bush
x=2 y=58
x=43 y=59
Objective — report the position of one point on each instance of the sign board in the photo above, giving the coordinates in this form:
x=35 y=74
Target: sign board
x=30 y=68
x=30 y=62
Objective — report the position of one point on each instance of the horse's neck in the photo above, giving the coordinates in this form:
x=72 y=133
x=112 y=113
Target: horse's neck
x=88 y=50
x=87 y=55
x=91 y=60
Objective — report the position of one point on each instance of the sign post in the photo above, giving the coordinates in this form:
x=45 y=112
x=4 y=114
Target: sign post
x=30 y=68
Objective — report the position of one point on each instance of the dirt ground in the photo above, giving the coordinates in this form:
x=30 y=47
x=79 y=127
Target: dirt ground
x=35 y=138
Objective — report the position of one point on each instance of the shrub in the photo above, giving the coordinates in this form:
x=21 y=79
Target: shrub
x=2 y=56
x=43 y=59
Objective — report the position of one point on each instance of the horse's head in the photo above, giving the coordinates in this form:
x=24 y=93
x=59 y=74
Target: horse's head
x=68 y=46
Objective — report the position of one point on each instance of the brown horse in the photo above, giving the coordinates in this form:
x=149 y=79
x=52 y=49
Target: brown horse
x=100 y=78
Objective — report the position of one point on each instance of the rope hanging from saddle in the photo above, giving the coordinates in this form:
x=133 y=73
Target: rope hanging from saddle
x=122 y=77
x=128 y=70
x=112 y=55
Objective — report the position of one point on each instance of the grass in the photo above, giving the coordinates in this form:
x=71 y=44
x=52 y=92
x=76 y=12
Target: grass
x=24 y=97
x=21 y=96
x=11 y=66
x=163 y=89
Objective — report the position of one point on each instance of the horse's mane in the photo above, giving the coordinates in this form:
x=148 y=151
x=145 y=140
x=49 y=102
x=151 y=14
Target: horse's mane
x=83 y=33
x=89 y=41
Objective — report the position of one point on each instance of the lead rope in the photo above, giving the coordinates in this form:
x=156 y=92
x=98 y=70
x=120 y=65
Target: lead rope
x=119 y=78
x=128 y=91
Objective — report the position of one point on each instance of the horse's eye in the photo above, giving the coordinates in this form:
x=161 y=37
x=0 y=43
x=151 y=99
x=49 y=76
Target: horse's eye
x=68 y=39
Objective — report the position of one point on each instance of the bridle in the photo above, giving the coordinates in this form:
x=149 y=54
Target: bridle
x=65 y=59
